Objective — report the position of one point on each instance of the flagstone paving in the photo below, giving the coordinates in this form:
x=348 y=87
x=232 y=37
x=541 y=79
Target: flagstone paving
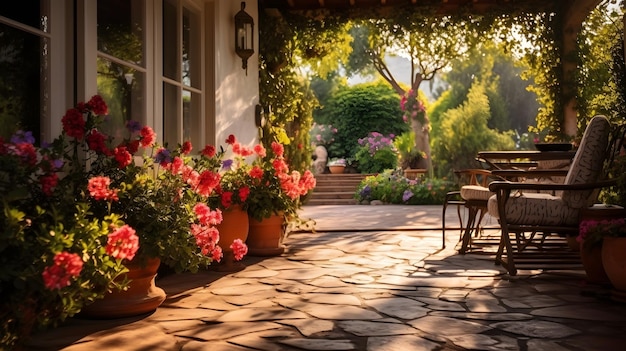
x=376 y=290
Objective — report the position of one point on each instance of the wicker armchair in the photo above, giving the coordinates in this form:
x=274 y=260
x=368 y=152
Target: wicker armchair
x=531 y=211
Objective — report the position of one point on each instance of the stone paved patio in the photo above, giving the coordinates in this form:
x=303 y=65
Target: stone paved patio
x=385 y=287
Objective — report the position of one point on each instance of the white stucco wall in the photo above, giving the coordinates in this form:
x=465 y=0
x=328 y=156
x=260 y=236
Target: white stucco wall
x=236 y=94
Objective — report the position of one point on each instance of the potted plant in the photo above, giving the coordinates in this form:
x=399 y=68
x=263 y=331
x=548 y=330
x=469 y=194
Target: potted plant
x=55 y=255
x=275 y=193
x=231 y=197
x=337 y=165
x=160 y=193
x=410 y=157
x=608 y=237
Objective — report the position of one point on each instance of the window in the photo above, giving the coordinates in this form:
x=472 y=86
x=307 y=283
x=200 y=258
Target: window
x=181 y=74
x=24 y=67
x=121 y=62
x=125 y=70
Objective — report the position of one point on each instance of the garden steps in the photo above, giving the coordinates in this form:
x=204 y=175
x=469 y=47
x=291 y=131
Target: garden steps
x=335 y=189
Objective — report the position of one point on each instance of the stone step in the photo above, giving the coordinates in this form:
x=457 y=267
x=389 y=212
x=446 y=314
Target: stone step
x=322 y=202
x=335 y=189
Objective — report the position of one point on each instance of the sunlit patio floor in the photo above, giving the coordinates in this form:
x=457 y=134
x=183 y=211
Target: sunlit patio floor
x=366 y=278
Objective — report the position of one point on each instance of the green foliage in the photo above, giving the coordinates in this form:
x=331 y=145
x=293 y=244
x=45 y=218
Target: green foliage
x=466 y=126
x=599 y=90
x=286 y=95
x=376 y=153
x=391 y=187
x=323 y=90
x=511 y=105
x=408 y=155
x=360 y=109
x=543 y=55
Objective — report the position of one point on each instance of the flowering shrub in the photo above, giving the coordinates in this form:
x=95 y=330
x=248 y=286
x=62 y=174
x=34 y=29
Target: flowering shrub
x=412 y=107
x=55 y=256
x=591 y=232
x=376 y=153
x=263 y=185
x=391 y=187
x=322 y=134
x=159 y=194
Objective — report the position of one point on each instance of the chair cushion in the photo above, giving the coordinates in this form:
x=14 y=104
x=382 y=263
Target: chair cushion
x=588 y=162
x=535 y=209
x=475 y=192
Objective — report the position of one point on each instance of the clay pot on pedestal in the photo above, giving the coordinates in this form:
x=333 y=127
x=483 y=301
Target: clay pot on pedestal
x=265 y=237
x=142 y=295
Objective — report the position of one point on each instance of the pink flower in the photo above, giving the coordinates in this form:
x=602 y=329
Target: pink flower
x=256 y=172
x=206 y=238
x=243 y=193
x=209 y=151
x=48 y=182
x=74 y=123
x=259 y=150
x=278 y=149
x=206 y=216
x=217 y=254
x=186 y=148
x=239 y=249
x=123 y=243
x=66 y=266
x=122 y=156
x=98 y=106
x=97 y=142
x=148 y=137
x=231 y=139
x=207 y=182
x=99 y=189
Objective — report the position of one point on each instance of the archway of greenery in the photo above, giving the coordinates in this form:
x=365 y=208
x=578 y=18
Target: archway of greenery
x=319 y=40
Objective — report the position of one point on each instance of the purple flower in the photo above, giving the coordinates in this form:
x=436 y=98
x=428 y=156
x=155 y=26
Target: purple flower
x=57 y=164
x=407 y=195
x=133 y=126
x=163 y=156
x=366 y=191
x=21 y=137
x=227 y=165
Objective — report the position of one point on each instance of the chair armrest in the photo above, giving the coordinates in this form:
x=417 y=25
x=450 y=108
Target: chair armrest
x=535 y=173
x=508 y=186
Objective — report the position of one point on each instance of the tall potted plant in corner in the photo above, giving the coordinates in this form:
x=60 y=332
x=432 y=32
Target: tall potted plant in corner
x=274 y=199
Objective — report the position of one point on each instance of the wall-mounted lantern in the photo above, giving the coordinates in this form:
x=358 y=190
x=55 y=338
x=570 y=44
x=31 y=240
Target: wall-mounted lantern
x=244 y=36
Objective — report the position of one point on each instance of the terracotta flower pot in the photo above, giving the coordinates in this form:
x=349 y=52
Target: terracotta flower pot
x=614 y=261
x=265 y=237
x=234 y=226
x=142 y=296
x=336 y=169
x=591 y=258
